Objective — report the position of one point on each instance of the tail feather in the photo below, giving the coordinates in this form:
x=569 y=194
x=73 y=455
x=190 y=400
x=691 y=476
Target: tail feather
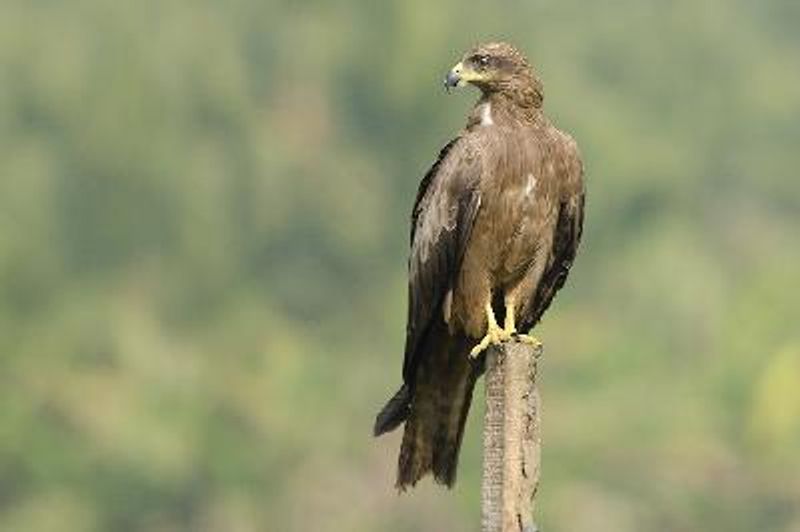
x=438 y=411
x=445 y=453
x=395 y=412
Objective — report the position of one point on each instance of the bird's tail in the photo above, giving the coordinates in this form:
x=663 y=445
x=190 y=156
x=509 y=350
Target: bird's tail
x=394 y=412
x=437 y=411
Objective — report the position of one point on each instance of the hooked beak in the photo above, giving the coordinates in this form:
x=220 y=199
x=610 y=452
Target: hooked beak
x=460 y=75
x=454 y=78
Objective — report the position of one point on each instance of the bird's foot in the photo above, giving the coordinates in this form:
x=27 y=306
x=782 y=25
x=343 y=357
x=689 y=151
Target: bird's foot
x=526 y=339
x=494 y=336
x=511 y=330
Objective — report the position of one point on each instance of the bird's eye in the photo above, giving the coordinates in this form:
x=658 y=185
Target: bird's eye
x=482 y=60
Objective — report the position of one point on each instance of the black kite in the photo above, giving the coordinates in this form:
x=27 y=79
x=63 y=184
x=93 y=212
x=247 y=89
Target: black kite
x=494 y=231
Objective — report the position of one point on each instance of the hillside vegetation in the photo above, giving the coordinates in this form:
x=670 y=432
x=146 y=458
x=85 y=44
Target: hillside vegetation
x=203 y=233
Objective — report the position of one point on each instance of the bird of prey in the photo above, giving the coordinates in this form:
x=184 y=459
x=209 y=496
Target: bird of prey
x=494 y=231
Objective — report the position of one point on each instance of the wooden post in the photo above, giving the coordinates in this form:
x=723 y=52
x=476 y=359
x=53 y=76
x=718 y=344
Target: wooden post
x=511 y=438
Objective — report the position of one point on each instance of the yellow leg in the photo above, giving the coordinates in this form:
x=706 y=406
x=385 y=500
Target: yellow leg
x=494 y=334
x=510 y=327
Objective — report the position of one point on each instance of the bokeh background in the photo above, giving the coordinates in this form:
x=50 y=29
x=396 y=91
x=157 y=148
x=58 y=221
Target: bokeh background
x=203 y=233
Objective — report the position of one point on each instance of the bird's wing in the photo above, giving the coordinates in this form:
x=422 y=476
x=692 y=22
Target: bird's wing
x=569 y=227
x=447 y=202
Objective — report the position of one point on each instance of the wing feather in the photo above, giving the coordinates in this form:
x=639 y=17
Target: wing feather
x=441 y=222
x=567 y=237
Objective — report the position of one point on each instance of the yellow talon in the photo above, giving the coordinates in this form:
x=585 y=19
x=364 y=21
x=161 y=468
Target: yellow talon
x=527 y=339
x=494 y=334
x=511 y=328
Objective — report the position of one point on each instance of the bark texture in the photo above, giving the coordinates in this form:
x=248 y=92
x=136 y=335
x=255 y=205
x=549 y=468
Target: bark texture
x=511 y=438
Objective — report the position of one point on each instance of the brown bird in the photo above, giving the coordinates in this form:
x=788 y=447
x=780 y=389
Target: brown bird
x=494 y=231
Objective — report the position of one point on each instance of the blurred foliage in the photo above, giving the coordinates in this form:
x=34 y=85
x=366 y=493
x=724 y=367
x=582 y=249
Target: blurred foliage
x=203 y=233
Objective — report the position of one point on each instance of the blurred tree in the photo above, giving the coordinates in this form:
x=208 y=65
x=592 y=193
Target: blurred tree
x=203 y=233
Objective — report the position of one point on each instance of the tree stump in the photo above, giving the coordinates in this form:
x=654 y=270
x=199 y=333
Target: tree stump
x=511 y=438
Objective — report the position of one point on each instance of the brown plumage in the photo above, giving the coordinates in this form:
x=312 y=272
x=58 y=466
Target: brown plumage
x=494 y=231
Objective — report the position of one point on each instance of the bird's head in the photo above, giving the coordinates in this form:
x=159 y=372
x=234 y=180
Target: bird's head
x=497 y=67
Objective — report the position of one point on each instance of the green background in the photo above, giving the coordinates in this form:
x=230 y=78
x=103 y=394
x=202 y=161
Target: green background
x=203 y=234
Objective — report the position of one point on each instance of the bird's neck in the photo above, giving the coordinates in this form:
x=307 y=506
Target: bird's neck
x=500 y=108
